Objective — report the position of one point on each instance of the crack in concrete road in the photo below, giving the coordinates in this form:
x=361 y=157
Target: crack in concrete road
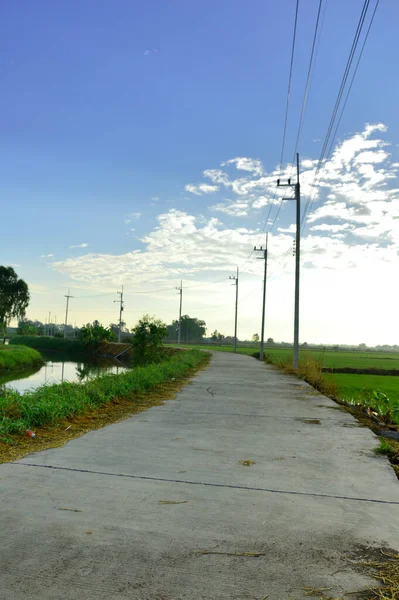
x=209 y=484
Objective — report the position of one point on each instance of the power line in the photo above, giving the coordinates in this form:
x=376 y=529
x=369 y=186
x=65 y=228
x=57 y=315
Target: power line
x=289 y=84
x=285 y=119
x=353 y=79
x=305 y=95
x=345 y=76
x=304 y=101
x=95 y=295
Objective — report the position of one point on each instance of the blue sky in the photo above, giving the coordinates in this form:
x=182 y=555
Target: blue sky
x=109 y=110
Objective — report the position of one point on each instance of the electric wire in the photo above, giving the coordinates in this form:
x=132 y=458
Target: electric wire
x=344 y=80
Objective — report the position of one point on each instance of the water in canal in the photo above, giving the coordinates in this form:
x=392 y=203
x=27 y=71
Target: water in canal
x=60 y=368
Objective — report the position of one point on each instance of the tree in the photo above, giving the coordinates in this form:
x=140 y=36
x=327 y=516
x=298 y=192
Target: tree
x=147 y=341
x=26 y=327
x=270 y=342
x=172 y=331
x=217 y=337
x=14 y=297
x=114 y=327
x=255 y=337
x=192 y=329
x=94 y=334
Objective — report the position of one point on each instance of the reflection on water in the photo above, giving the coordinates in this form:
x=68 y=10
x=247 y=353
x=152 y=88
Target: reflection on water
x=58 y=369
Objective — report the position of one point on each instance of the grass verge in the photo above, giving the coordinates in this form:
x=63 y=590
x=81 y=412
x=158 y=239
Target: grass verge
x=43 y=342
x=61 y=412
x=372 y=408
x=18 y=357
x=309 y=370
x=390 y=448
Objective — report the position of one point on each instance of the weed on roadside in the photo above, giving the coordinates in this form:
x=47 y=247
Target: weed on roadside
x=58 y=416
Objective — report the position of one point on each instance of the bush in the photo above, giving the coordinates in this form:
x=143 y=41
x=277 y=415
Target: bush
x=92 y=335
x=147 y=341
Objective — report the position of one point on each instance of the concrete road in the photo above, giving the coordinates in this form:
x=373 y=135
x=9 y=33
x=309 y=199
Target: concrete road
x=160 y=507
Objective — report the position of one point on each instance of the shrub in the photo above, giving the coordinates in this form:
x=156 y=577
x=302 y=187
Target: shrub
x=147 y=341
x=92 y=335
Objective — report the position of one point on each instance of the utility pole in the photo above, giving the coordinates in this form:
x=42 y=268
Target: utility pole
x=235 y=278
x=297 y=198
x=120 y=301
x=264 y=257
x=66 y=312
x=180 y=291
x=49 y=324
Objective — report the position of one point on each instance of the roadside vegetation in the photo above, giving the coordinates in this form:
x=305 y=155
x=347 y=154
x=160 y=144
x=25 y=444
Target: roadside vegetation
x=378 y=394
x=147 y=341
x=50 y=405
x=92 y=335
x=14 y=298
x=13 y=358
x=48 y=343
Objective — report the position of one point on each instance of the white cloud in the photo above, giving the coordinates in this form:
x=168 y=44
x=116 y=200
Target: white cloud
x=181 y=244
x=84 y=245
x=46 y=255
x=152 y=51
x=242 y=163
x=260 y=202
x=201 y=188
x=290 y=229
x=353 y=236
x=217 y=176
x=332 y=228
x=234 y=209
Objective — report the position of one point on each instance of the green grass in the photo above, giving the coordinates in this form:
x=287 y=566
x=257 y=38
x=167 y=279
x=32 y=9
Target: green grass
x=48 y=405
x=386 y=447
x=43 y=342
x=340 y=359
x=358 y=388
x=240 y=349
x=13 y=358
x=329 y=358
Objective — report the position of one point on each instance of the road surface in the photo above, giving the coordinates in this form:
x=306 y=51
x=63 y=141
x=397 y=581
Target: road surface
x=160 y=506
